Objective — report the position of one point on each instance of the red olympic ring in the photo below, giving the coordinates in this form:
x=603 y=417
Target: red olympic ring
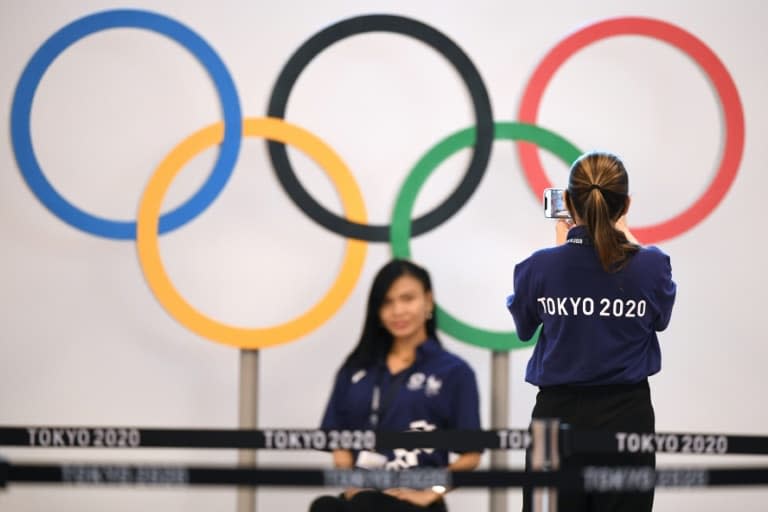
x=694 y=48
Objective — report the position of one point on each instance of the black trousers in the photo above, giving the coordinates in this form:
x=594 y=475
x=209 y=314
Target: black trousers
x=612 y=408
x=371 y=501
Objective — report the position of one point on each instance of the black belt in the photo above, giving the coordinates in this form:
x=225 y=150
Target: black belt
x=601 y=389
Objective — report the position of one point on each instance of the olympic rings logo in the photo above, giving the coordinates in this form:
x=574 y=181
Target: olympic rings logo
x=227 y=134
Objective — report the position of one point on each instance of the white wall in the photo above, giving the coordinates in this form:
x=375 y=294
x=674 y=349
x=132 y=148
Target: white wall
x=84 y=341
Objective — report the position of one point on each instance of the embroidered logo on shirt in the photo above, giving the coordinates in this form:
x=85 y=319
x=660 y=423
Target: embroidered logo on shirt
x=416 y=381
x=433 y=385
x=404 y=459
x=359 y=374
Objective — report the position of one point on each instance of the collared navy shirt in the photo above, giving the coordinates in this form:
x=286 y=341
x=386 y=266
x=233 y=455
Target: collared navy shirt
x=438 y=392
x=597 y=327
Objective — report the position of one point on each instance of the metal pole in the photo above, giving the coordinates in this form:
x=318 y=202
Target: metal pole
x=545 y=457
x=499 y=420
x=249 y=398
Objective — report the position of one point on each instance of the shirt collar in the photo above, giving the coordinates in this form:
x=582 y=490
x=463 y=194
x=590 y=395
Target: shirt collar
x=427 y=349
x=578 y=230
x=580 y=233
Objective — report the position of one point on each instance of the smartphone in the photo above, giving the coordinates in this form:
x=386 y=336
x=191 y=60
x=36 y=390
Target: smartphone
x=554 y=204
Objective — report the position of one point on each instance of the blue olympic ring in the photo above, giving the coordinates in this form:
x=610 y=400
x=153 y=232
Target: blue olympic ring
x=60 y=41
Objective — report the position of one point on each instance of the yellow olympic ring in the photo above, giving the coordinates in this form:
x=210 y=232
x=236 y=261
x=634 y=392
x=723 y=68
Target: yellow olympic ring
x=149 y=252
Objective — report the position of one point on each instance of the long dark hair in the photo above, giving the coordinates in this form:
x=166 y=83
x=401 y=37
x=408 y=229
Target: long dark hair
x=598 y=191
x=375 y=341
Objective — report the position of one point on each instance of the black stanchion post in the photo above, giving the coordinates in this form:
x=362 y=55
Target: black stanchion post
x=565 y=448
x=3 y=473
x=545 y=456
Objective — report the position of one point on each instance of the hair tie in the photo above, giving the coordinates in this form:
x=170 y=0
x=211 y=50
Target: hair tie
x=595 y=186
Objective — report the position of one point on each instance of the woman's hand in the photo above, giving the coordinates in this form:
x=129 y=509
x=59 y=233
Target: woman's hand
x=348 y=493
x=420 y=497
x=561 y=230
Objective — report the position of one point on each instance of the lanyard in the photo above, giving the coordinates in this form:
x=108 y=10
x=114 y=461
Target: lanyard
x=379 y=403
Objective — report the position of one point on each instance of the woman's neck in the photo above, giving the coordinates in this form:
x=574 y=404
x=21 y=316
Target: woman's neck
x=403 y=352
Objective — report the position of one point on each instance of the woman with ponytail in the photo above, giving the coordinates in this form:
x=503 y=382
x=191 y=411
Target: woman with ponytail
x=599 y=298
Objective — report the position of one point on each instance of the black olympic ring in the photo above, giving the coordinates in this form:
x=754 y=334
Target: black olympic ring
x=448 y=49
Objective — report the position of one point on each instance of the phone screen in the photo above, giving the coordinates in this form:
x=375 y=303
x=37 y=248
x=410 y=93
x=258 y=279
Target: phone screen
x=554 y=204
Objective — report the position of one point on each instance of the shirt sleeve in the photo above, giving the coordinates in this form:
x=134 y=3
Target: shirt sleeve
x=522 y=304
x=335 y=417
x=665 y=296
x=466 y=411
x=465 y=397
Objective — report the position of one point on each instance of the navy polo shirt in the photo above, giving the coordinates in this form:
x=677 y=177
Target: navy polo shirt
x=597 y=327
x=437 y=392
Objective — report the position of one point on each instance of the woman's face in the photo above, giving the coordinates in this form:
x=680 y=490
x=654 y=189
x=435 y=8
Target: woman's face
x=406 y=308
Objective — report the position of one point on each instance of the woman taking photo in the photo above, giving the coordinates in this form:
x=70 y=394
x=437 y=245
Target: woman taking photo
x=400 y=378
x=599 y=298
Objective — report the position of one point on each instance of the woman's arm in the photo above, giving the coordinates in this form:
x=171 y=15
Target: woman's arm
x=465 y=462
x=343 y=459
x=425 y=497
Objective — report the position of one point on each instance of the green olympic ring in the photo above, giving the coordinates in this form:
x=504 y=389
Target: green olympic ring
x=400 y=234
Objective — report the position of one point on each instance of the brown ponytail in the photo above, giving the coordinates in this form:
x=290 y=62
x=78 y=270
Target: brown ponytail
x=598 y=192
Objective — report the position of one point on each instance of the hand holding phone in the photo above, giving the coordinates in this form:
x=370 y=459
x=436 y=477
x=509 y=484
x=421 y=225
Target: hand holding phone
x=562 y=227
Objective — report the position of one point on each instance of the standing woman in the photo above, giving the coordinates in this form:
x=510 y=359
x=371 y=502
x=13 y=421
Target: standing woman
x=399 y=378
x=600 y=298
